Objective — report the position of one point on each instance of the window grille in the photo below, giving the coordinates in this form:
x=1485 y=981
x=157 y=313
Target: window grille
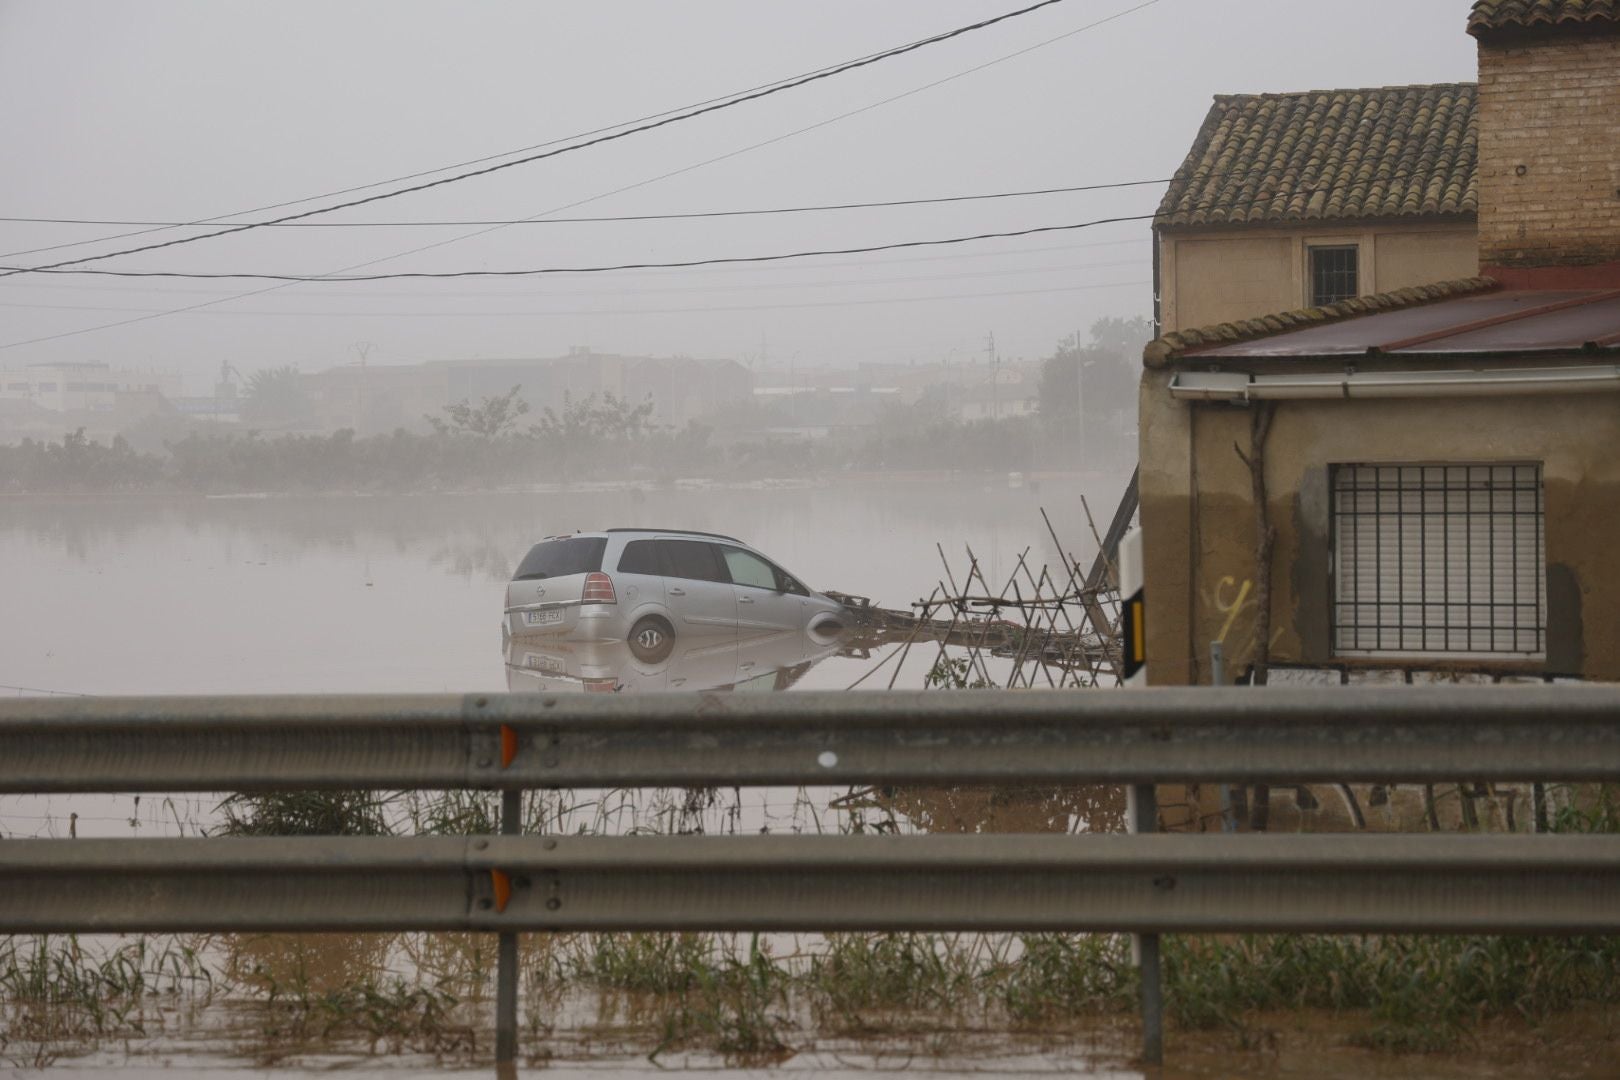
x=1333 y=275
x=1446 y=560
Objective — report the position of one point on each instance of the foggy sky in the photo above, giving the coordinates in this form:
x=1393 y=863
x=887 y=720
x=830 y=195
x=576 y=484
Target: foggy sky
x=179 y=110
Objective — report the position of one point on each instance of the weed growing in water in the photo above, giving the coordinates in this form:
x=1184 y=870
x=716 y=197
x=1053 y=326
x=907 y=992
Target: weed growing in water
x=858 y=975
x=55 y=991
x=304 y=813
x=737 y=1005
x=1054 y=975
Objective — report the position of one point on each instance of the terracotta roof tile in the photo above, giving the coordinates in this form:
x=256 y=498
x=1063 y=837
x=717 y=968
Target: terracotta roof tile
x=1169 y=348
x=1392 y=151
x=1492 y=16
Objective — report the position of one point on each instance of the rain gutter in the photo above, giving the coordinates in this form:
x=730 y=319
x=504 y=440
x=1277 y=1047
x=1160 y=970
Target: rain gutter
x=1510 y=382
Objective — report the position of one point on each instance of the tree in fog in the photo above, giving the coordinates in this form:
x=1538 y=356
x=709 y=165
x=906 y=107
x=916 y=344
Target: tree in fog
x=274 y=397
x=1087 y=391
x=496 y=416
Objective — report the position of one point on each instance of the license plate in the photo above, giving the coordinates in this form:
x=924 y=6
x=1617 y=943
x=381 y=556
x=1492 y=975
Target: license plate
x=538 y=662
x=547 y=617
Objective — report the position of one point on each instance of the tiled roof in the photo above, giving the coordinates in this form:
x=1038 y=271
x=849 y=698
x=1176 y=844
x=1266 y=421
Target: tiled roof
x=1169 y=348
x=1490 y=16
x=1391 y=151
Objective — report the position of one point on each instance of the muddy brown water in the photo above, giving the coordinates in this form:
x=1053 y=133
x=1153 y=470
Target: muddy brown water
x=403 y=594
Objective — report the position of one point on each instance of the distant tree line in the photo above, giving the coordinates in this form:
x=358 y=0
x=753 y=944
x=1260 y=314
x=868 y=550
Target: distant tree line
x=499 y=443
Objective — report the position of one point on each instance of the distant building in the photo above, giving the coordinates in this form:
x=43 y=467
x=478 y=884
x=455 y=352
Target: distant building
x=62 y=386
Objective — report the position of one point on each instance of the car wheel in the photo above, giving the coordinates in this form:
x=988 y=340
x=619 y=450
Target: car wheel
x=651 y=640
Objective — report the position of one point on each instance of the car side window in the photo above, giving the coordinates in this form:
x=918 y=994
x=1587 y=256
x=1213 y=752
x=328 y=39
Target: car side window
x=640 y=557
x=749 y=569
x=786 y=582
x=692 y=559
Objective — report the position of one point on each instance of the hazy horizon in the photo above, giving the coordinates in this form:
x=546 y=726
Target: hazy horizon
x=181 y=110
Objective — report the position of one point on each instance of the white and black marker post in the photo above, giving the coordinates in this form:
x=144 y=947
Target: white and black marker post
x=1141 y=804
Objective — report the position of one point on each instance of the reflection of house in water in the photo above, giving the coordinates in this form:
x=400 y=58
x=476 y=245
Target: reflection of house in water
x=379 y=398
x=1437 y=464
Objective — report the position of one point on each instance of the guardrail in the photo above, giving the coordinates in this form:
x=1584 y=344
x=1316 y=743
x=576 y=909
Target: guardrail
x=505 y=884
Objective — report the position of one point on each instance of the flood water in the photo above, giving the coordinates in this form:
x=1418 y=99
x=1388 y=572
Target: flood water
x=404 y=594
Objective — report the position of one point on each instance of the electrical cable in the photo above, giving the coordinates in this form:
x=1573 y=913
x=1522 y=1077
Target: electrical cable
x=75 y=286
x=596 y=141
x=186 y=309
x=684 y=309
x=882 y=204
x=546 y=270
x=1269 y=197
x=161 y=227
x=776 y=286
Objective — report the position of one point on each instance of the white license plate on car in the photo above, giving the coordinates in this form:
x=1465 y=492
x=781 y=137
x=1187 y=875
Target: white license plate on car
x=546 y=617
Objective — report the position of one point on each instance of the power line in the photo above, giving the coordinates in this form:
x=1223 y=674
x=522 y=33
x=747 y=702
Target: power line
x=882 y=204
x=596 y=141
x=203 y=304
x=681 y=310
x=126 y=289
x=777 y=286
x=160 y=227
x=681 y=264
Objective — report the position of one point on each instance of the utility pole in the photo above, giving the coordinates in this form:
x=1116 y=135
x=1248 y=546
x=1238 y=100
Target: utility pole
x=364 y=349
x=995 y=372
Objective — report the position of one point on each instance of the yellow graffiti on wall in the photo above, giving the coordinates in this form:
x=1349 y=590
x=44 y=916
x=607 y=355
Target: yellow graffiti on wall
x=1236 y=601
x=1231 y=608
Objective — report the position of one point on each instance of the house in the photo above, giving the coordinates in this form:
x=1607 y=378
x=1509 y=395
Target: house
x=1305 y=199
x=1429 y=476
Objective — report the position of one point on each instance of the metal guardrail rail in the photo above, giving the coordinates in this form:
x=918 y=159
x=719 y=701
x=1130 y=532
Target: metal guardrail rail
x=1561 y=733
x=1142 y=883
x=1139 y=884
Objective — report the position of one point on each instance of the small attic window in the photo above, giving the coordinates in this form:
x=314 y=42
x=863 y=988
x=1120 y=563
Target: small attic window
x=1333 y=274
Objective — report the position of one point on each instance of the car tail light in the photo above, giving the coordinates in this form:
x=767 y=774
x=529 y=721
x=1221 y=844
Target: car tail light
x=599 y=590
x=601 y=686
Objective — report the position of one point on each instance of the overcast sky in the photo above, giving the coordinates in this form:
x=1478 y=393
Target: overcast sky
x=174 y=111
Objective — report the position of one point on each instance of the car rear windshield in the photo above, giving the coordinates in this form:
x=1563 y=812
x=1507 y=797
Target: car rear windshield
x=560 y=558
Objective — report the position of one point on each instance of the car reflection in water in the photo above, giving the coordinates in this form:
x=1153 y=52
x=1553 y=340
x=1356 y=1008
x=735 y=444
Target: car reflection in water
x=768 y=662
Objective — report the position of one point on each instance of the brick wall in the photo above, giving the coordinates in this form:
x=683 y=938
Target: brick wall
x=1549 y=152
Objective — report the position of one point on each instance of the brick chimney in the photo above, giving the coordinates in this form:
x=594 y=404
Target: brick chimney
x=1549 y=142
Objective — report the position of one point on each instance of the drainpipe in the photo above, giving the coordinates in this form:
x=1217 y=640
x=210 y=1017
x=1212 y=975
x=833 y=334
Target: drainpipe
x=1237 y=386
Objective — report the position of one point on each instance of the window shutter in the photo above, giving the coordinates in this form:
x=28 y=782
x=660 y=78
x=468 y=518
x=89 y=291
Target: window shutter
x=1444 y=560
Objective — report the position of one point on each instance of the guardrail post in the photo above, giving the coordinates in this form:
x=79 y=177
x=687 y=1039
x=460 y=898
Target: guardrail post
x=1217 y=677
x=1142 y=814
x=506 y=960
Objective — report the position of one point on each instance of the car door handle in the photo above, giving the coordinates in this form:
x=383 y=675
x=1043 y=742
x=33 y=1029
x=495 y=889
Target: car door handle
x=677 y=592
x=745 y=599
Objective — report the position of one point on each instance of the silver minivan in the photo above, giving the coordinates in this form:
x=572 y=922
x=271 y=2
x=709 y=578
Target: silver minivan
x=648 y=586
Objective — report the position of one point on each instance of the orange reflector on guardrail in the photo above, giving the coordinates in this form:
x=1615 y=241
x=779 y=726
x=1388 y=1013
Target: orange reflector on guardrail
x=503 y=888
x=509 y=745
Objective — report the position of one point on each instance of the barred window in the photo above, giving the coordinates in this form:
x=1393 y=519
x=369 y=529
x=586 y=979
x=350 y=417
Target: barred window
x=1333 y=274
x=1442 y=560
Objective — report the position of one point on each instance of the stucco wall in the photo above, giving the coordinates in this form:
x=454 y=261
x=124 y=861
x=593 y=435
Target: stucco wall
x=1212 y=276
x=1200 y=553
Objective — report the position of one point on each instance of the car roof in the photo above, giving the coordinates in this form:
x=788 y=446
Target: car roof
x=680 y=532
